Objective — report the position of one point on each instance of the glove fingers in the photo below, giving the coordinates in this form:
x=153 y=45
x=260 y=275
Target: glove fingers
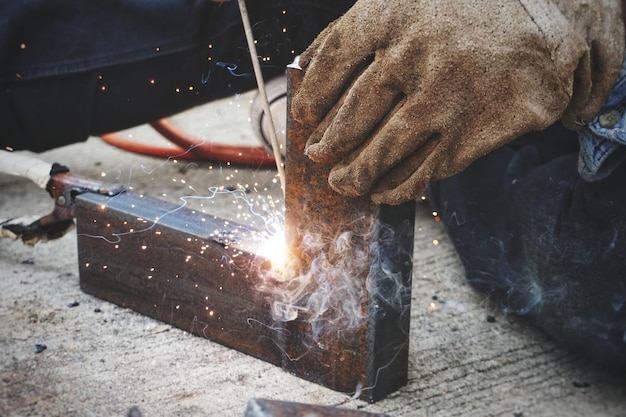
x=354 y=118
x=409 y=180
x=318 y=133
x=331 y=63
x=399 y=138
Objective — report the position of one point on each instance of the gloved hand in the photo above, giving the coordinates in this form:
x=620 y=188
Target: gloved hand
x=409 y=91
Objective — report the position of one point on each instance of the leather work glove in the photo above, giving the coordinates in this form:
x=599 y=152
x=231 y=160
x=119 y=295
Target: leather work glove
x=408 y=91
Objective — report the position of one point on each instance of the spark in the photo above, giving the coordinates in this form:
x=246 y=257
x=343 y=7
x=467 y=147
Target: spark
x=231 y=68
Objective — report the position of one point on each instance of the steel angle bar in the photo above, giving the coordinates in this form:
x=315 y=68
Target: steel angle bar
x=344 y=325
x=271 y=408
x=176 y=265
x=361 y=348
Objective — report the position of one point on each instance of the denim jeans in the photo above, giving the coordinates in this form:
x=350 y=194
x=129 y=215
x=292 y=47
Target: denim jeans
x=74 y=68
x=602 y=140
x=543 y=242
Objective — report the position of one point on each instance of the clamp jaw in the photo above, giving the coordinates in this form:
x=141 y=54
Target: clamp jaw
x=63 y=186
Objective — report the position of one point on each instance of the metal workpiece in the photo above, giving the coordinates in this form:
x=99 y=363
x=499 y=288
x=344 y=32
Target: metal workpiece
x=270 y=408
x=183 y=267
x=336 y=313
x=363 y=252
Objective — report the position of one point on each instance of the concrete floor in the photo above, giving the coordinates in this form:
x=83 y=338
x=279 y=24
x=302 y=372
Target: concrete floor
x=101 y=359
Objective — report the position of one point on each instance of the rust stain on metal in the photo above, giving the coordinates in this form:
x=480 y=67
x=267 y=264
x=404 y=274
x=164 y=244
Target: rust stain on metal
x=196 y=272
x=272 y=408
x=373 y=357
x=204 y=275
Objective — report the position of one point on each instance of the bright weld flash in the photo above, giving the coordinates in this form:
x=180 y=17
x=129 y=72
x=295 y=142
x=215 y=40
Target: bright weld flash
x=274 y=249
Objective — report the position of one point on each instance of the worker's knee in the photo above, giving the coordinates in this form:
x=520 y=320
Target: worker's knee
x=543 y=243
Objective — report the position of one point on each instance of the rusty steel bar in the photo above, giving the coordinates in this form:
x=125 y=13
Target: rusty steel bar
x=204 y=275
x=272 y=408
x=179 y=266
x=367 y=354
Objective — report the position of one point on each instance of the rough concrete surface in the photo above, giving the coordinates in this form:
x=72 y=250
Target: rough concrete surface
x=466 y=358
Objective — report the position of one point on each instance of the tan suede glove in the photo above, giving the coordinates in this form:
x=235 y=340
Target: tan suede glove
x=409 y=91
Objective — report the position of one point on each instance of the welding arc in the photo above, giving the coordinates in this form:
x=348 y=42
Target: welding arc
x=192 y=148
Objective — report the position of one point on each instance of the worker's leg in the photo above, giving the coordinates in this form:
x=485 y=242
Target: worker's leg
x=72 y=69
x=544 y=243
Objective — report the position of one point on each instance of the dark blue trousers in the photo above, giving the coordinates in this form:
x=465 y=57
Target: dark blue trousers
x=545 y=244
x=74 y=68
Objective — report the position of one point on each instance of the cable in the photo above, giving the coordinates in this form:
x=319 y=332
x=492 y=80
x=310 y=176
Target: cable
x=189 y=147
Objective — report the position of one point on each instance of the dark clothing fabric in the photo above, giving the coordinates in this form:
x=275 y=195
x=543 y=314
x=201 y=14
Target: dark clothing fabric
x=74 y=68
x=544 y=243
x=602 y=140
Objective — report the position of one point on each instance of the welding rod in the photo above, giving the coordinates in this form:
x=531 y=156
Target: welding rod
x=261 y=85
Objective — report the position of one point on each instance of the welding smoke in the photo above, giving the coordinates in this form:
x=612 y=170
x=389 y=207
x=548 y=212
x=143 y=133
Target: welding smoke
x=322 y=281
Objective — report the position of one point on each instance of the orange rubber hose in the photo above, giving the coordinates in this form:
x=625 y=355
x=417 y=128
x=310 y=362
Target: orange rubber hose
x=192 y=148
